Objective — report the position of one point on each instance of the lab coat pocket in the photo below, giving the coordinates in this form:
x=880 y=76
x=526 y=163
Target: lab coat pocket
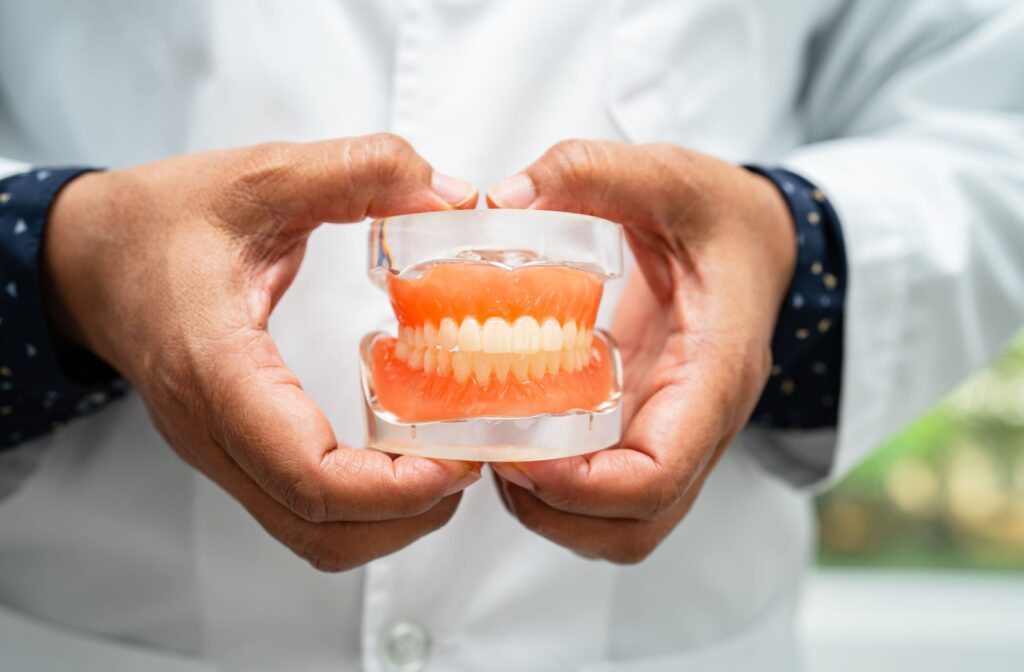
x=687 y=73
x=766 y=644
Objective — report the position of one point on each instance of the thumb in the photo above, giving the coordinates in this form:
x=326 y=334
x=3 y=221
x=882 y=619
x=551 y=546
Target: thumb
x=602 y=178
x=347 y=180
x=261 y=417
x=637 y=187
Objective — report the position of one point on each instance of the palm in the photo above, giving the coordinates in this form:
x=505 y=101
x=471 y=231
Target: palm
x=647 y=331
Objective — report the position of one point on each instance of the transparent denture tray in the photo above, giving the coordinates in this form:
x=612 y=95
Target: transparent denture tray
x=495 y=356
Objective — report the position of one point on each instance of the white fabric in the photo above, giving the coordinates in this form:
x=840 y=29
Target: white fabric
x=113 y=538
x=8 y=168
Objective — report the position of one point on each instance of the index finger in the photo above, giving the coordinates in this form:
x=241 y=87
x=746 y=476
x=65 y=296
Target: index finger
x=343 y=180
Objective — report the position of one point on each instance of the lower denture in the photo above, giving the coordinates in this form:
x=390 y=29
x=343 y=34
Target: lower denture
x=527 y=349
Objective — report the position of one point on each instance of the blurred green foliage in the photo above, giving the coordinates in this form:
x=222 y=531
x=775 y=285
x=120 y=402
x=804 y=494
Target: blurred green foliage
x=946 y=492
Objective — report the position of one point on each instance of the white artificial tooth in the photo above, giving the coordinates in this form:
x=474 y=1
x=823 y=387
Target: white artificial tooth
x=429 y=360
x=525 y=335
x=521 y=365
x=418 y=338
x=569 y=335
x=496 y=335
x=401 y=350
x=469 y=335
x=554 y=361
x=568 y=360
x=588 y=342
x=429 y=334
x=501 y=363
x=408 y=334
x=416 y=357
x=481 y=367
x=448 y=333
x=538 y=365
x=550 y=335
x=585 y=356
x=462 y=366
x=444 y=362
x=581 y=359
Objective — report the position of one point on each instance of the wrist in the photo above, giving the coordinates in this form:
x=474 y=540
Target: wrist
x=778 y=240
x=39 y=392
x=68 y=292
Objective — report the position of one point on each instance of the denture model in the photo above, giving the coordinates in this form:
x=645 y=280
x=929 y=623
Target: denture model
x=496 y=356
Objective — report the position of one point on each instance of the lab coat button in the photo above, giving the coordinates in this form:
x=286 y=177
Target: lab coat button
x=404 y=647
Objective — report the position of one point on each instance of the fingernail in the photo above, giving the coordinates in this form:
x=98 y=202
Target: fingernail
x=514 y=474
x=514 y=192
x=452 y=189
x=458 y=486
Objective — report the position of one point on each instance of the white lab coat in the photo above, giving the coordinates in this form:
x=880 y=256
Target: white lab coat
x=115 y=555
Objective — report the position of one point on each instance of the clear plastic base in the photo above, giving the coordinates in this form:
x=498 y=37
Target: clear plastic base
x=501 y=439
x=509 y=238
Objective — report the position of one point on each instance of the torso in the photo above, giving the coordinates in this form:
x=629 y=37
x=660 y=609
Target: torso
x=114 y=536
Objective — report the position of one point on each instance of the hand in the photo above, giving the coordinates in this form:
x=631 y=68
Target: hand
x=715 y=244
x=169 y=272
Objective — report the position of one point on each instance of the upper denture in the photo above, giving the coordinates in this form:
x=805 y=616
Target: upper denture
x=483 y=291
x=482 y=322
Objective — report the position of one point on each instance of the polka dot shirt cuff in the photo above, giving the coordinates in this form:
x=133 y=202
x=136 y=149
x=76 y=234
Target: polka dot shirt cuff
x=807 y=347
x=37 y=395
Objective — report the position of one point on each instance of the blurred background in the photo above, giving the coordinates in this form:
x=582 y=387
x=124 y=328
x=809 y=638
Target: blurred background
x=921 y=558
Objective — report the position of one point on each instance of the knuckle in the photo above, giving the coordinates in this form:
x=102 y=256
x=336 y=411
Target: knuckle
x=661 y=499
x=263 y=166
x=306 y=499
x=388 y=153
x=568 y=499
x=580 y=169
x=445 y=511
x=412 y=487
x=323 y=557
x=381 y=162
x=329 y=567
x=327 y=564
x=572 y=149
x=681 y=165
x=628 y=556
x=631 y=548
x=389 y=143
x=256 y=182
x=387 y=491
x=407 y=505
x=651 y=492
x=383 y=493
x=576 y=158
x=530 y=515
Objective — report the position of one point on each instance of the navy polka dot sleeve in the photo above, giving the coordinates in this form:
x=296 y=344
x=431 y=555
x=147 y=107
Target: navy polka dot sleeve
x=807 y=347
x=38 y=393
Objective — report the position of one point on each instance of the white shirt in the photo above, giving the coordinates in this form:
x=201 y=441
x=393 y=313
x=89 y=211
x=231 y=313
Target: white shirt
x=115 y=555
